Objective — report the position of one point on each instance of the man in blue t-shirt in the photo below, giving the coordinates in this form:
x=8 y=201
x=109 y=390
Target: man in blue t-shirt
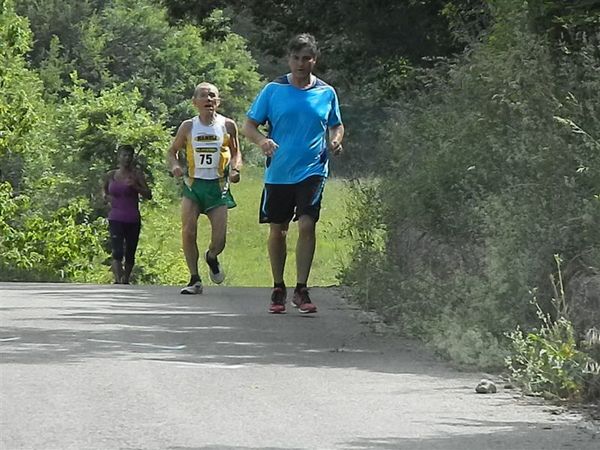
x=302 y=115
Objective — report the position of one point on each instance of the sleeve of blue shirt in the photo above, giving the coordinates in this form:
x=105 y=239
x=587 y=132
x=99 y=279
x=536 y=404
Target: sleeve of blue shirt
x=259 y=110
x=335 y=117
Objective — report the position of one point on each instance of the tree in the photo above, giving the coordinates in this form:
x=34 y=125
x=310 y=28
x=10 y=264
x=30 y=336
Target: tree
x=132 y=42
x=357 y=36
x=21 y=106
x=34 y=242
x=56 y=18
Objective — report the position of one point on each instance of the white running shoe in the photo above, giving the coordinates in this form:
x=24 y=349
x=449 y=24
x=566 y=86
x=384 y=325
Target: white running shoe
x=194 y=287
x=214 y=269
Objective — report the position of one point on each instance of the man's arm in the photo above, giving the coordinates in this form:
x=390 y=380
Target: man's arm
x=250 y=130
x=336 y=135
x=236 y=153
x=177 y=144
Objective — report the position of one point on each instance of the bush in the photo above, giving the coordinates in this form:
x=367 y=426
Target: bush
x=490 y=170
x=364 y=228
x=62 y=245
x=547 y=361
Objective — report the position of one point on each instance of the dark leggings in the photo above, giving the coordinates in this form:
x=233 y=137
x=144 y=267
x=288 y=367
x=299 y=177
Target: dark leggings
x=124 y=240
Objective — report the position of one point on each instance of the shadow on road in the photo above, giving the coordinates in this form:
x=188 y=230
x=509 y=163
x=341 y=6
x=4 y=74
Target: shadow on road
x=501 y=436
x=225 y=326
x=428 y=406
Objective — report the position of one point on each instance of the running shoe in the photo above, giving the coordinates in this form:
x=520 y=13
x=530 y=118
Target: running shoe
x=214 y=269
x=302 y=301
x=193 y=287
x=278 y=301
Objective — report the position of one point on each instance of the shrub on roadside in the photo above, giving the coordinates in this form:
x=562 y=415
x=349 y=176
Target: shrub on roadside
x=547 y=361
x=492 y=170
x=61 y=245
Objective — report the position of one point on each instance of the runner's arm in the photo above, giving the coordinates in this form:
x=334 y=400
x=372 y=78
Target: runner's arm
x=142 y=185
x=177 y=144
x=336 y=135
x=106 y=182
x=236 y=153
x=250 y=130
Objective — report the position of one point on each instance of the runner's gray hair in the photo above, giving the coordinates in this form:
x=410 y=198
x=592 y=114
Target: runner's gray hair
x=302 y=41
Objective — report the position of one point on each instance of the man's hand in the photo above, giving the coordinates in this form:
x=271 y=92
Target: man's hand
x=268 y=146
x=336 y=147
x=177 y=171
x=234 y=176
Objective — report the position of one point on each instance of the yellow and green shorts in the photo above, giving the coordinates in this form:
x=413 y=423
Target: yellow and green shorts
x=209 y=194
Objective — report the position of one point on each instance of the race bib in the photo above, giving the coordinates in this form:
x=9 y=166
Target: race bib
x=206 y=157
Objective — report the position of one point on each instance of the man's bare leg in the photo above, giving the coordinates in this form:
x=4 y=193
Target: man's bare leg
x=277 y=246
x=305 y=247
x=218 y=226
x=189 y=232
x=218 y=235
x=305 y=251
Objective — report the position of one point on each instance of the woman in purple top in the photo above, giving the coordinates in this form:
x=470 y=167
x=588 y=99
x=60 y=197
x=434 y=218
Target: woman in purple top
x=122 y=188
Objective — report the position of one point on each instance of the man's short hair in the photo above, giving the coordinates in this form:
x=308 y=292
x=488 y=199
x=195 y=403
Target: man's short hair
x=303 y=41
x=204 y=85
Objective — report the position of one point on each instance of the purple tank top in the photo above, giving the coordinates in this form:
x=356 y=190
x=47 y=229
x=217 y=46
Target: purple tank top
x=124 y=206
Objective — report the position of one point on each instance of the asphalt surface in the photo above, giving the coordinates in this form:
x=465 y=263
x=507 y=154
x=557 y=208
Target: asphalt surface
x=138 y=367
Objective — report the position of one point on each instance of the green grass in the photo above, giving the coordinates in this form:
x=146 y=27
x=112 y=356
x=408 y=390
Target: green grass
x=245 y=259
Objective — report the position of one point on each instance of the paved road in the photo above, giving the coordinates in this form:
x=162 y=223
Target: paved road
x=133 y=367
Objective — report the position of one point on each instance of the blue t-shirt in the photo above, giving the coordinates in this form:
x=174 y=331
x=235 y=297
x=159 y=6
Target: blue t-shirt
x=297 y=120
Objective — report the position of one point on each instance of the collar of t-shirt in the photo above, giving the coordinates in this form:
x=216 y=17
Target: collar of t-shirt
x=313 y=80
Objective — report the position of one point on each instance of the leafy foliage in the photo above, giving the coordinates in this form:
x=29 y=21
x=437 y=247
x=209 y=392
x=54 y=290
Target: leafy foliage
x=366 y=230
x=549 y=360
x=20 y=103
x=492 y=170
x=347 y=29
x=99 y=73
x=63 y=244
x=131 y=43
x=90 y=126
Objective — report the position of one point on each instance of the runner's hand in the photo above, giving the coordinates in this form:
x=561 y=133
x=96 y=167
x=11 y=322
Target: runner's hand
x=336 y=147
x=177 y=171
x=136 y=179
x=234 y=176
x=268 y=146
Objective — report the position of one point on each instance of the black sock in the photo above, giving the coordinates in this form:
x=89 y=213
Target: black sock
x=213 y=264
x=194 y=279
x=300 y=286
x=279 y=285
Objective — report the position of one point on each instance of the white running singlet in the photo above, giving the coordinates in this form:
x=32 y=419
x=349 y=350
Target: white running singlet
x=207 y=149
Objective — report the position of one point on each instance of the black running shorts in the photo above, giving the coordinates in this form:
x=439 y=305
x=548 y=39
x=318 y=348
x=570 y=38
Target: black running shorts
x=281 y=203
